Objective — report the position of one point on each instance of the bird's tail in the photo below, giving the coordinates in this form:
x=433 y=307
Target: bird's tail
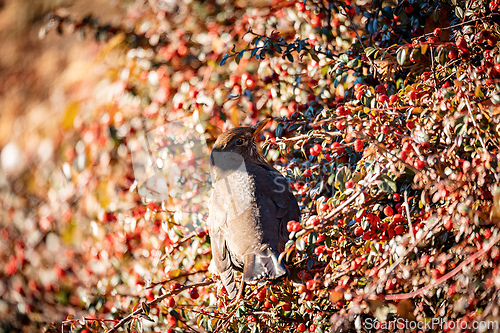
x=263 y=265
x=227 y=278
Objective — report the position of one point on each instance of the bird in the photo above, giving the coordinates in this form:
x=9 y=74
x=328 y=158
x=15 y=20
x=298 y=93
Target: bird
x=249 y=208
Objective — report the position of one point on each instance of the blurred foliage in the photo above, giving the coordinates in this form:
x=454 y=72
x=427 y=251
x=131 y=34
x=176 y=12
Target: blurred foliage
x=386 y=125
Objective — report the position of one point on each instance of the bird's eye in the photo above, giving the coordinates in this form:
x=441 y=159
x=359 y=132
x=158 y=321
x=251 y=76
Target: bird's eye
x=239 y=142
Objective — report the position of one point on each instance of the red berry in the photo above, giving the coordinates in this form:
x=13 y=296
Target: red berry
x=397 y=218
x=492 y=40
x=388 y=211
x=311 y=284
x=382 y=98
x=319 y=250
x=251 y=319
x=437 y=32
x=290 y=225
x=341 y=111
x=385 y=129
x=307 y=173
x=175 y=286
x=340 y=125
x=300 y=6
x=487 y=233
x=396 y=197
x=267 y=305
x=323 y=207
x=261 y=295
x=193 y=293
x=301 y=327
x=358 y=231
x=393 y=99
x=316 y=21
x=349 y=184
x=328 y=157
x=448 y=223
x=412 y=95
x=453 y=55
x=419 y=164
x=170 y=302
x=461 y=43
x=302 y=289
x=296 y=227
x=464 y=53
x=250 y=83
x=380 y=89
x=410 y=124
x=399 y=230
x=287 y=306
x=315 y=150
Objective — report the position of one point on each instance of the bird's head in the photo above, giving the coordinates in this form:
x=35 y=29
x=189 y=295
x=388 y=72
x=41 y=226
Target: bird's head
x=241 y=141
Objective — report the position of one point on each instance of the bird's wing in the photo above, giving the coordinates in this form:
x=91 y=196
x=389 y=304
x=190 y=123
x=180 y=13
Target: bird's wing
x=275 y=206
x=287 y=208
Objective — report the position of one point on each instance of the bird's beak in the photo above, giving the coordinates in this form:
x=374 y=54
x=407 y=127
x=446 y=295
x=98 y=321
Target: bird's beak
x=259 y=126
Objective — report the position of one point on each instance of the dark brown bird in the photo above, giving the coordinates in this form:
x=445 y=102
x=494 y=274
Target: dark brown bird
x=250 y=207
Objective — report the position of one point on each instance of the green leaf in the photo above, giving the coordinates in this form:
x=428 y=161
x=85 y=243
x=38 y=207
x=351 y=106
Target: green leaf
x=459 y=12
x=386 y=184
x=495 y=99
x=224 y=59
x=256 y=40
x=416 y=53
x=401 y=56
x=370 y=51
x=146 y=308
x=324 y=70
x=330 y=179
x=441 y=56
x=343 y=174
x=312 y=238
x=354 y=63
x=300 y=244
x=279 y=130
x=143 y=316
x=178 y=233
x=239 y=56
x=277 y=47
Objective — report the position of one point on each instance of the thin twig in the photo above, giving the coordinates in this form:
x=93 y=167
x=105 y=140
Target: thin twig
x=154 y=284
x=407 y=208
